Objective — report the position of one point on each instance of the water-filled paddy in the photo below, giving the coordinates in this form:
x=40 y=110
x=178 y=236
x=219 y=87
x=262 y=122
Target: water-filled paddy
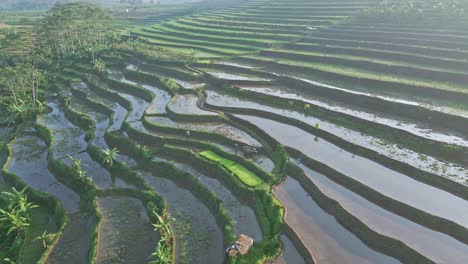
x=379 y=178
x=427 y=163
x=323 y=236
x=187 y=105
x=436 y=246
x=126 y=234
x=199 y=237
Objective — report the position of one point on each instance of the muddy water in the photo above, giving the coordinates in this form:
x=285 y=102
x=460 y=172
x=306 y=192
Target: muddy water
x=394 y=98
x=161 y=99
x=188 y=85
x=74 y=245
x=101 y=122
x=245 y=220
x=120 y=113
x=138 y=107
x=184 y=84
x=29 y=162
x=187 y=104
x=139 y=126
x=228 y=63
x=232 y=76
x=389 y=183
x=199 y=238
x=101 y=177
x=323 y=236
x=261 y=160
x=423 y=162
x=416 y=129
x=126 y=234
x=68 y=139
x=126 y=160
x=436 y=246
x=289 y=254
x=212 y=127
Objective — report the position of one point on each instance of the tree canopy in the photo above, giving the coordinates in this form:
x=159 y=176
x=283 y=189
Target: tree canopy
x=417 y=10
x=74 y=30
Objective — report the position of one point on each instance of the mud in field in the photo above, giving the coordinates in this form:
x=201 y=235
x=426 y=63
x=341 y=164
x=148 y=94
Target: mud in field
x=199 y=238
x=212 y=127
x=29 y=161
x=289 y=253
x=245 y=220
x=74 y=245
x=187 y=104
x=68 y=138
x=101 y=177
x=126 y=234
x=138 y=107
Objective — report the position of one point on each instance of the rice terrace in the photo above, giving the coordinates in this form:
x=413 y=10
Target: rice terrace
x=234 y=131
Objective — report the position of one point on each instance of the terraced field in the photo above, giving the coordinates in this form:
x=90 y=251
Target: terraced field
x=326 y=139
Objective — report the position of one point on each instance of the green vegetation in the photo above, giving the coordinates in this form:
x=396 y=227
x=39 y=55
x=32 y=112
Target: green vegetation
x=109 y=156
x=416 y=11
x=245 y=175
x=163 y=253
x=113 y=79
x=15 y=220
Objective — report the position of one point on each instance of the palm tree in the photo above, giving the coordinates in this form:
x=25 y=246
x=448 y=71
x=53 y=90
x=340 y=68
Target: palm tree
x=109 y=156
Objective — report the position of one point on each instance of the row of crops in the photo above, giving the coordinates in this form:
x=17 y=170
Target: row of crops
x=325 y=139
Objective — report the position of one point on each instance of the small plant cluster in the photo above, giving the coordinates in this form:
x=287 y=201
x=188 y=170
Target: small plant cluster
x=110 y=155
x=15 y=219
x=163 y=253
x=79 y=171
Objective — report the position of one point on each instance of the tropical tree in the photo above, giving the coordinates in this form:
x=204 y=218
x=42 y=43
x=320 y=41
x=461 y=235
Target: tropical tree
x=110 y=156
x=20 y=90
x=75 y=30
x=15 y=218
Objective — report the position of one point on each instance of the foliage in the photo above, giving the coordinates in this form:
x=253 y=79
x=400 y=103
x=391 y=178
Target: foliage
x=192 y=58
x=15 y=218
x=415 y=10
x=47 y=239
x=246 y=176
x=109 y=156
x=75 y=30
x=157 y=53
x=79 y=171
x=163 y=253
x=20 y=93
x=99 y=65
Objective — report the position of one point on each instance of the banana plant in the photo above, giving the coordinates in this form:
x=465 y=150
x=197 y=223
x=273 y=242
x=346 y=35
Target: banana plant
x=110 y=155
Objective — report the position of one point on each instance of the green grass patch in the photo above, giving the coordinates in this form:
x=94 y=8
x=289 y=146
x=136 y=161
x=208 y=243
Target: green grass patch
x=246 y=176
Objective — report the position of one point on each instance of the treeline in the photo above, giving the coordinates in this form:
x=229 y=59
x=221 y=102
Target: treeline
x=415 y=11
x=67 y=34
